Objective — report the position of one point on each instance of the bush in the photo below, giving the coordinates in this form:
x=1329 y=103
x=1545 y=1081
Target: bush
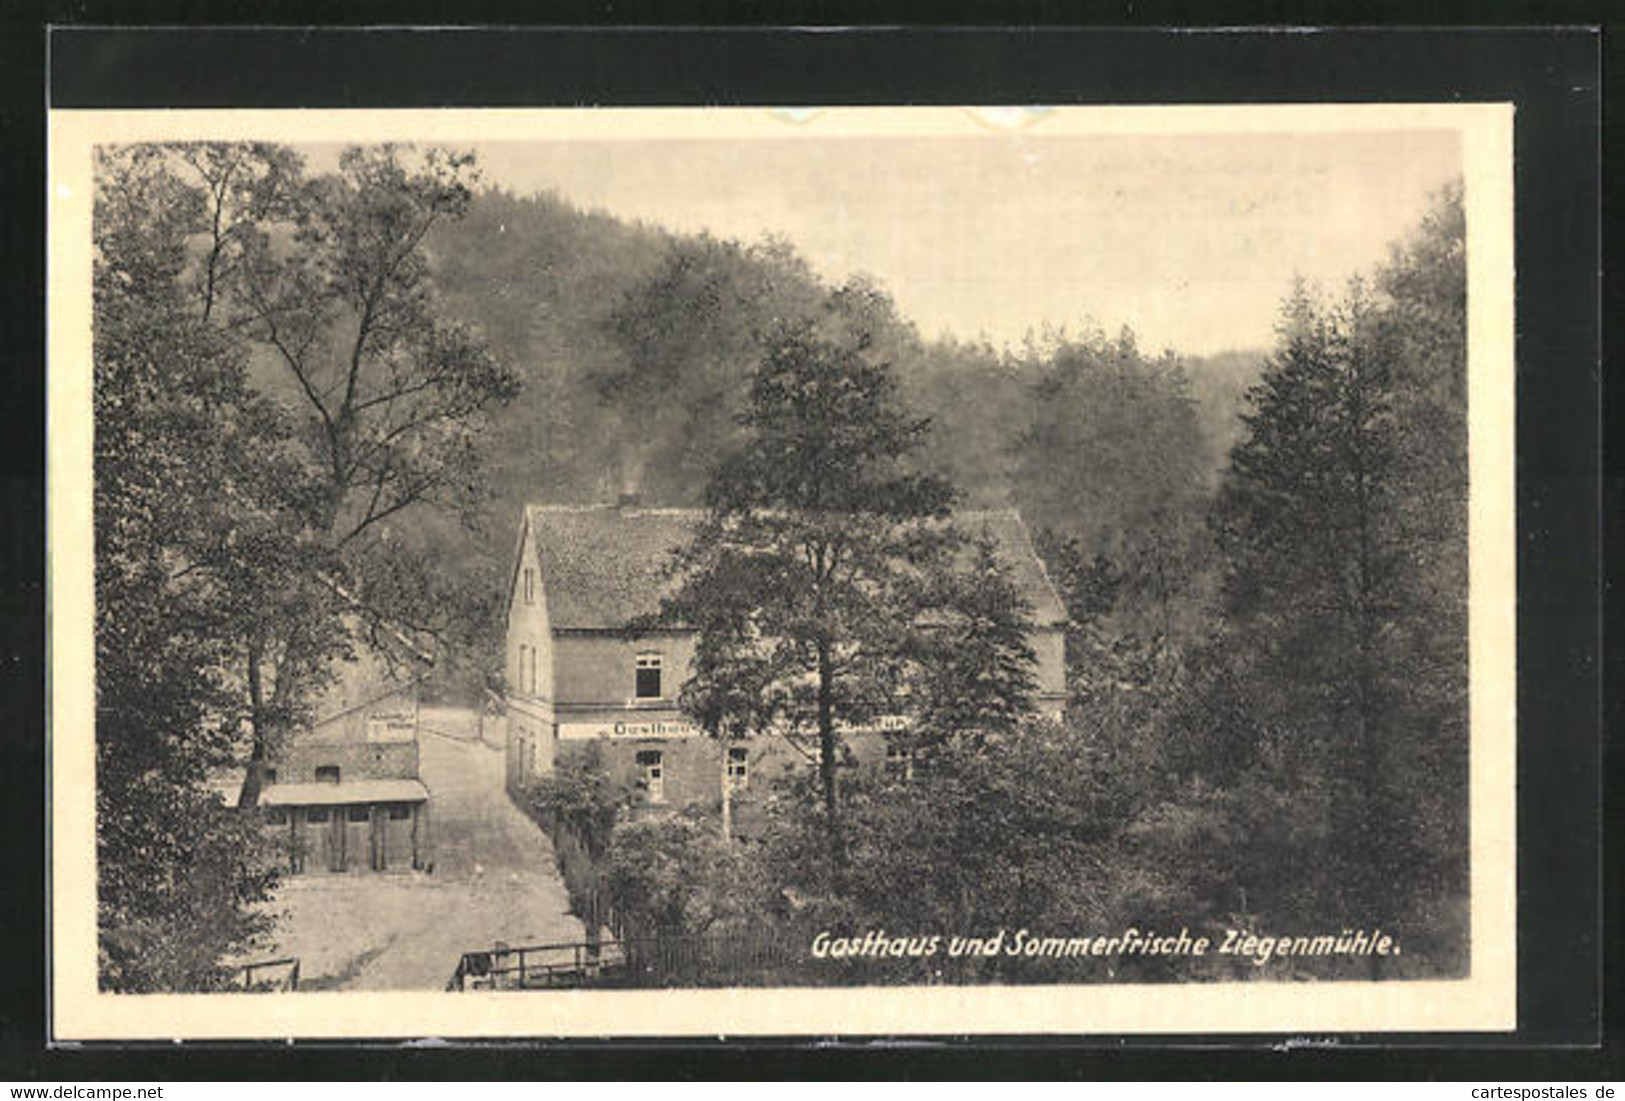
x=580 y=796
x=676 y=875
x=578 y=805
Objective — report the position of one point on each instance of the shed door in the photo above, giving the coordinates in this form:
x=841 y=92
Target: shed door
x=297 y=843
x=327 y=826
x=398 y=821
x=356 y=829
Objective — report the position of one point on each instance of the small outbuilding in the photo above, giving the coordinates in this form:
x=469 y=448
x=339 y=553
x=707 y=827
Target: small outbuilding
x=346 y=791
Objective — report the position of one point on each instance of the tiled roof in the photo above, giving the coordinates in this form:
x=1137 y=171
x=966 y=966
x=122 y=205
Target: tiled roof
x=603 y=565
x=1015 y=548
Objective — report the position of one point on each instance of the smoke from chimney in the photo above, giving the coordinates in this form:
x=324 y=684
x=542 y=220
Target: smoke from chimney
x=631 y=478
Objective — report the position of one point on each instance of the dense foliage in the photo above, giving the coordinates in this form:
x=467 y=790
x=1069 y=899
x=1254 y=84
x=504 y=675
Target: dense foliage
x=1336 y=680
x=276 y=390
x=579 y=796
x=187 y=490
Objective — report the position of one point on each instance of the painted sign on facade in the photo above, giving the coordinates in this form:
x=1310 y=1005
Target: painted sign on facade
x=677 y=728
x=392 y=726
x=569 y=732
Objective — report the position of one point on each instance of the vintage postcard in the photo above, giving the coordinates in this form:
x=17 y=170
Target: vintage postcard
x=725 y=572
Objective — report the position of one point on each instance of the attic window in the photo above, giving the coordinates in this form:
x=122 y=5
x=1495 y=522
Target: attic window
x=530 y=585
x=648 y=676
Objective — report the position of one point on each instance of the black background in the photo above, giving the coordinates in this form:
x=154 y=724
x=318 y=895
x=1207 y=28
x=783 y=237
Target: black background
x=1553 y=76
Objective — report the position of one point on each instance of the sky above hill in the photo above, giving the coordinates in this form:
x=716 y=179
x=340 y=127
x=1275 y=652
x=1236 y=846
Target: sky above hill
x=1192 y=239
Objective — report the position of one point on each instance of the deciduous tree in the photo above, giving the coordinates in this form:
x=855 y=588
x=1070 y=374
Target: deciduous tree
x=813 y=530
x=388 y=398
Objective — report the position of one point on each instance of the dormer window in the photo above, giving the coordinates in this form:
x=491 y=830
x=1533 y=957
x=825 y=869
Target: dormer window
x=648 y=676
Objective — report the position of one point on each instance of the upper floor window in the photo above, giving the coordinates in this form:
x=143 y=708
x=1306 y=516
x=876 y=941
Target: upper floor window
x=526 y=673
x=327 y=774
x=530 y=585
x=648 y=676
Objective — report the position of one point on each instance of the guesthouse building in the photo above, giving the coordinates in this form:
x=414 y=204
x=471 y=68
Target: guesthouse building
x=576 y=678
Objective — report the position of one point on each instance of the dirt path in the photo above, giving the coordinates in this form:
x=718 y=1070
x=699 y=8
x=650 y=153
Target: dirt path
x=494 y=880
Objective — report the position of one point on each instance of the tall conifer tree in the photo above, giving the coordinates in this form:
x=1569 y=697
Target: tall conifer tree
x=814 y=534
x=1341 y=522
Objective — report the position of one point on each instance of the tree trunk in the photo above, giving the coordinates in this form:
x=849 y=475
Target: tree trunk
x=826 y=752
x=253 y=778
x=727 y=792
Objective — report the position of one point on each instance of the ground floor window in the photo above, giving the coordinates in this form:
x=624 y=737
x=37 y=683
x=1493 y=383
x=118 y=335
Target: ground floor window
x=652 y=773
x=738 y=769
x=276 y=816
x=899 y=762
x=398 y=811
x=359 y=814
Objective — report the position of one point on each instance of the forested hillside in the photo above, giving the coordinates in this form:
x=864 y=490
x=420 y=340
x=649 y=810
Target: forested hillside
x=635 y=345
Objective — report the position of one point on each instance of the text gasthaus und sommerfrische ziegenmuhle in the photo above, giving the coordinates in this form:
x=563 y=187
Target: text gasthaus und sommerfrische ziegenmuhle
x=1024 y=943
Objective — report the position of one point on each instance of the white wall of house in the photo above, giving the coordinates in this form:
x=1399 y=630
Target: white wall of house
x=530 y=732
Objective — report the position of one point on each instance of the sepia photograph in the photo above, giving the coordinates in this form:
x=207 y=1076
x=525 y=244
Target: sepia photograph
x=618 y=572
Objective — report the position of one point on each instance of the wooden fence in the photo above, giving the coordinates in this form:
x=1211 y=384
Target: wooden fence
x=748 y=958
x=268 y=975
